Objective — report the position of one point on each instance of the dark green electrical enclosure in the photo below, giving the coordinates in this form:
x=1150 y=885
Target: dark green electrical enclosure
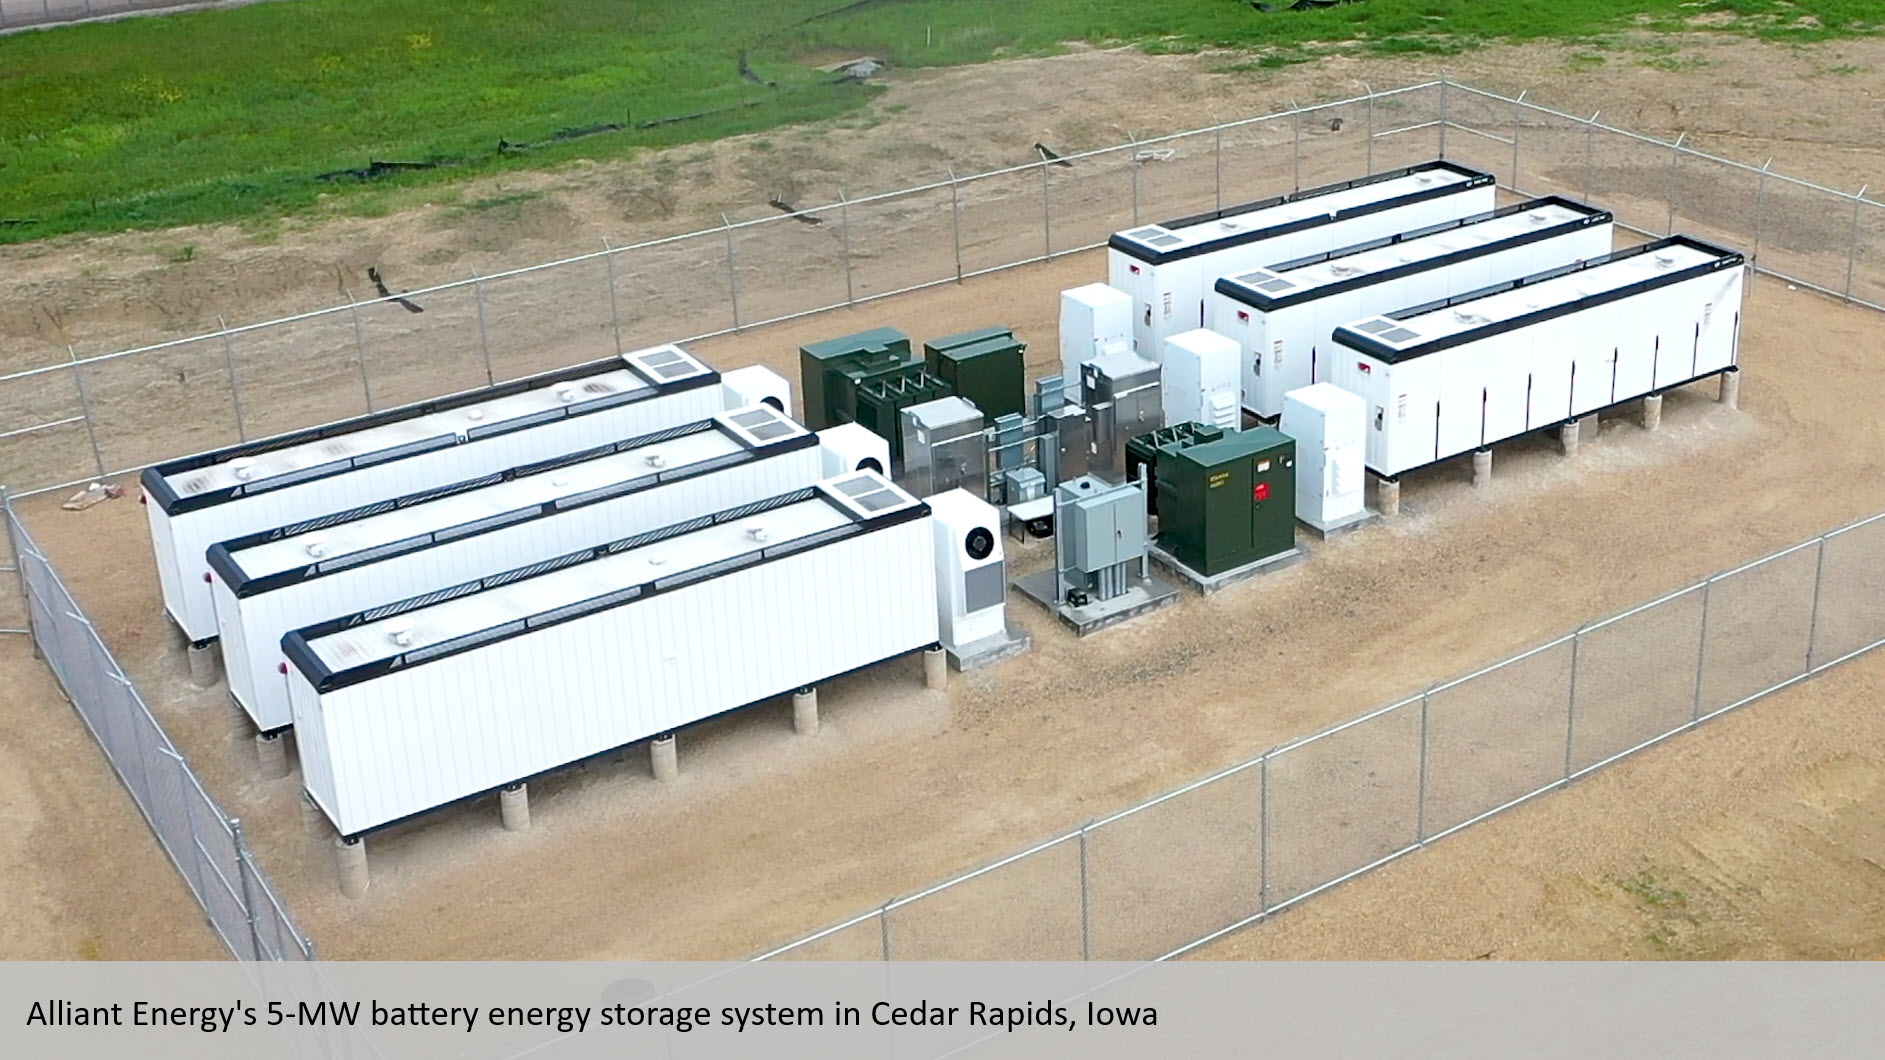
x=882 y=399
x=830 y=373
x=985 y=365
x=1229 y=501
x=1143 y=452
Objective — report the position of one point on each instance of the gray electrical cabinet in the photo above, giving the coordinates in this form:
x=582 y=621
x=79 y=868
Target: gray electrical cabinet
x=944 y=448
x=1066 y=445
x=1122 y=390
x=1099 y=531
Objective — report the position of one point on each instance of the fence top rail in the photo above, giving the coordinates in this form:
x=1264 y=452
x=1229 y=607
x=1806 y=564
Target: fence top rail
x=899 y=903
x=1340 y=727
x=1764 y=560
x=1849 y=527
x=861 y=918
x=1502 y=664
x=1175 y=793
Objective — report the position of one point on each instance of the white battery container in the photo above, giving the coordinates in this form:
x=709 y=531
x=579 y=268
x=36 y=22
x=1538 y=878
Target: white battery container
x=1443 y=379
x=284 y=579
x=1168 y=269
x=1282 y=316
x=419 y=704
x=197 y=501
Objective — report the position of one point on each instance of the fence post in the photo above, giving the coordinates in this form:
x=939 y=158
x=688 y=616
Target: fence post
x=883 y=927
x=1443 y=112
x=1760 y=220
x=1086 y=905
x=844 y=217
x=1263 y=836
x=955 y=220
x=243 y=870
x=85 y=407
x=484 y=338
x=1217 y=164
x=1852 y=252
x=1295 y=146
x=19 y=566
x=1570 y=705
x=1675 y=192
x=615 y=312
x=733 y=272
x=1813 y=620
x=1047 y=216
x=1420 y=806
x=360 y=343
x=1590 y=155
x=1518 y=110
x=235 y=381
x=1134 y=164
x=1370 y=90
x=1701 y=649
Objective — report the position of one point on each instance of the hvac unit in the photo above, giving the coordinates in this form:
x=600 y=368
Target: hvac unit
x=849 y=447
x=987 y=366
x=971 y=579
x=944 y=448
x=1458 y=375
x=200 y=500
x=1330 y=426
x=1202 y=383
x=1227 y=502
x=756 y=385
x=422 y=703
x=1281 y=316
x=1094 y=319
x=1122 y=394
x=1099 y=538
x=1168 y=269
x=269 y=583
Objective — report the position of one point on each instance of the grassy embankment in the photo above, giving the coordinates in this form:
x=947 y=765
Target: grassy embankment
x=235 y=114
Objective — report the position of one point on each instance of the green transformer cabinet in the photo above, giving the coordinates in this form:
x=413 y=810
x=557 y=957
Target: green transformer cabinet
x=986 y=365
x=1227 y=502
x=1142 y=451
x=830 y=373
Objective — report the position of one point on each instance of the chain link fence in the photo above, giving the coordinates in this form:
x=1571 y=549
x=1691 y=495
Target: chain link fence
x=205 y=844
x=20 y=14
x=1180 y=870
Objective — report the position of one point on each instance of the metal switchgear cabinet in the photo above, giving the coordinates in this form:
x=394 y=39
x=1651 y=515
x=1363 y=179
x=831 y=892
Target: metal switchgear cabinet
x=1228 y=502
x=986 y=365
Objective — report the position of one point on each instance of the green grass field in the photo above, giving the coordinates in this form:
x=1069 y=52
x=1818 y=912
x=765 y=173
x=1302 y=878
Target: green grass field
x=233 y=115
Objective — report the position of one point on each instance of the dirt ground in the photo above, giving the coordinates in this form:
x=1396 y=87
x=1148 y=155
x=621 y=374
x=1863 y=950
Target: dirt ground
x=1761 y=836
x=762 y=838
x=68 y=826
